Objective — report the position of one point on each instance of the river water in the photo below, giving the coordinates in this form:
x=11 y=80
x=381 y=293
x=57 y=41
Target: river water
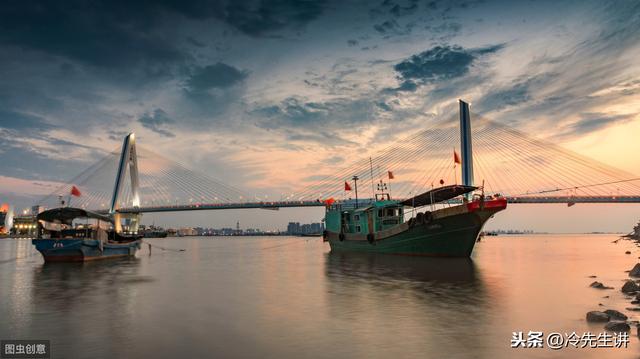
x=288 y=297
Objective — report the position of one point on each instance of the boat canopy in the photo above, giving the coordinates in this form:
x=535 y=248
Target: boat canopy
x=438 y=195
x=67 y=214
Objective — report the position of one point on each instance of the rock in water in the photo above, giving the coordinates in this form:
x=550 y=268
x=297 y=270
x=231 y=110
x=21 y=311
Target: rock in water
x=598 y=285
x=617 y=327
x=597 y=317
x=615 y=315
x=630 y=287
x=635 y=271
x=627 y=252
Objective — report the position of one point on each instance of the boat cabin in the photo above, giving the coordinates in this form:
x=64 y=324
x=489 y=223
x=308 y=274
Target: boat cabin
x=370 y=217
x=69 y=222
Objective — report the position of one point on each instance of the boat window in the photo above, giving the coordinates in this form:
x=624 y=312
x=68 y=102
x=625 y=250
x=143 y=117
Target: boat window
x=356 y=217
x=358 y=229
x=390 y=212
x=380 y=213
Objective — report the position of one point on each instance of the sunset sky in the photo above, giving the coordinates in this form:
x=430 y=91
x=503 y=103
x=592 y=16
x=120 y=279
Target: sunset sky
x=259 y=93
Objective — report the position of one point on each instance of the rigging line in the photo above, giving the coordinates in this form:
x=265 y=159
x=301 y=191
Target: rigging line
x=489 y=177
x=436 y=126
x=577 y=169
x=421 y=175
x=403 y=155
x=589 y=185
x=493 y=144
x=173 y=181
x=614 y=172
x=185 y=188
x=93 y=167
x=413 y=181
x=412 y=155
x=431 y=178
x=495 y=139
x=183 y=184
x=408 y=154
x=185 y=168
x=354 y=167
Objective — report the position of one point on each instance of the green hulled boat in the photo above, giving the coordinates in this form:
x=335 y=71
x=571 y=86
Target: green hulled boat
x=448 y=228
x=380 y=225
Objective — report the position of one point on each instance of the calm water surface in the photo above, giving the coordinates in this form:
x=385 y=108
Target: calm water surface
x=285 y=297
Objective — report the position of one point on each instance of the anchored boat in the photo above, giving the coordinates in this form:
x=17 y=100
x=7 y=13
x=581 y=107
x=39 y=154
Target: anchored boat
x=451 y=231
x=380 y=226
x=70 y=234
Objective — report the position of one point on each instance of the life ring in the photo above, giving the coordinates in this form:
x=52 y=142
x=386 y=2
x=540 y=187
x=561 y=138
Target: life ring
x=370 y=238
x=341 y=236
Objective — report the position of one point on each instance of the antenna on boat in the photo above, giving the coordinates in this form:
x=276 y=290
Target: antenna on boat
x=355 y=182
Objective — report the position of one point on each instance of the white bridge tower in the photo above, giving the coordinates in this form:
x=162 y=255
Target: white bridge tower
x=128 y=161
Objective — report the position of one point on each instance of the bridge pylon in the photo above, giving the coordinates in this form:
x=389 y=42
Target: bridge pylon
x=128 y=162
x=466 y=150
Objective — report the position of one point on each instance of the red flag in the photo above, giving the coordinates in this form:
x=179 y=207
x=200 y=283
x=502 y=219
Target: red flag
x=391 y=175
x=75 y=191
x=347 y=187
x=456 y=158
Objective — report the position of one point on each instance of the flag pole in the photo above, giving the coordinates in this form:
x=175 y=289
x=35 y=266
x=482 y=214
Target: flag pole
x=389 y=188
x=455 y=175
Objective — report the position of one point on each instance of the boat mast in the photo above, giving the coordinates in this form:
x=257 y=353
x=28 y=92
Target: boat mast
x=465 y=146
x=355 y=182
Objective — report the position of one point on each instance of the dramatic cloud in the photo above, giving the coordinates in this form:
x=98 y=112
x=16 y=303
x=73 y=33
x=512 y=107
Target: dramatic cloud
x=21 y=121
x=214 y=76
x=440 y=63
x=266 y=16
x=590 y=122
x=156 y=122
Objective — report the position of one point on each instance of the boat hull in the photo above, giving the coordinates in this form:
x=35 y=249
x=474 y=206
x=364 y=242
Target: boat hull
x=448 y=236
x=82 y=250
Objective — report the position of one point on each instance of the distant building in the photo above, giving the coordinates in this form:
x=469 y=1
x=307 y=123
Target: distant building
x=186 y=231
x=295 y=228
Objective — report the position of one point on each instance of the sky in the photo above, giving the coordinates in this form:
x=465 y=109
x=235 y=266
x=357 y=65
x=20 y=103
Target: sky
x=258 y=94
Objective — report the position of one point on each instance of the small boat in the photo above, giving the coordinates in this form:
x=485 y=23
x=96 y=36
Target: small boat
x=68 y=234
x=153 y=232
x=379 y=225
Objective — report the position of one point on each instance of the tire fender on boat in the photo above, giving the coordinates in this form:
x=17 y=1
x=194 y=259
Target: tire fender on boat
x=427 y=218
x=420 y=218
x=341 y=236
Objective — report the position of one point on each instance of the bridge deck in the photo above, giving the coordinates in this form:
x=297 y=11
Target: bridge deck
x=297 y=204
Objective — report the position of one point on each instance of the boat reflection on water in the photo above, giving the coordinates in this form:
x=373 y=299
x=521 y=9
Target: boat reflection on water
x=417 y=269
x=434 y=302
x=80 y=298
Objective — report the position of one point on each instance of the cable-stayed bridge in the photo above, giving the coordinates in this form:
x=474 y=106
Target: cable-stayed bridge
x=504 y=160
